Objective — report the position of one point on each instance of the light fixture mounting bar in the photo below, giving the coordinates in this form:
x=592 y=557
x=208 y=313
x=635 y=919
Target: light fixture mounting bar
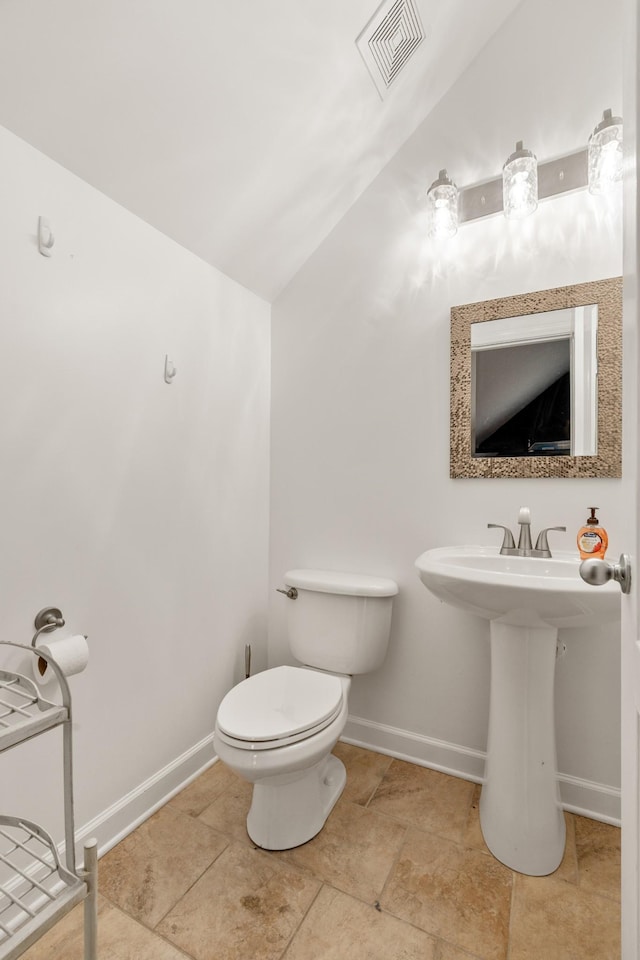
x=481 y=200
x=562 y=175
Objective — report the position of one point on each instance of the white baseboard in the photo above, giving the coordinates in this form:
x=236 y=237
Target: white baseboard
x=416 y=748
x=123 y=816
x=585 y=797
x=589 y=799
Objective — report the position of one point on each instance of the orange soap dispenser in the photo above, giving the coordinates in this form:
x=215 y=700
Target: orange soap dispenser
x=592 y=538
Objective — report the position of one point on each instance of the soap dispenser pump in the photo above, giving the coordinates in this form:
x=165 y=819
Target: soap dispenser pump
x=592 y=538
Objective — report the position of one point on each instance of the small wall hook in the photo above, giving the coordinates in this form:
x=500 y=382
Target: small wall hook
x=169 y=370
x=45 y=237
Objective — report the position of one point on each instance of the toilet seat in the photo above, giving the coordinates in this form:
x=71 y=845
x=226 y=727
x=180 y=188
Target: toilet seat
x=279 y=706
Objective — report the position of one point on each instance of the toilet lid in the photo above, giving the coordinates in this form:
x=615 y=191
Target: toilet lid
x=280 y=703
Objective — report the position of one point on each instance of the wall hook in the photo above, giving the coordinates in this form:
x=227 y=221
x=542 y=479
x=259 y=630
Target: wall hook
x=45 y=238
x=169 y=369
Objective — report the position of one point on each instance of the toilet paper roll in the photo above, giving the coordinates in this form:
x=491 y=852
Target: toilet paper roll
x=70 y=653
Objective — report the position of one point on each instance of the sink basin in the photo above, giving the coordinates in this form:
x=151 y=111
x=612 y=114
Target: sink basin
x=526 y=600
x=524 y=591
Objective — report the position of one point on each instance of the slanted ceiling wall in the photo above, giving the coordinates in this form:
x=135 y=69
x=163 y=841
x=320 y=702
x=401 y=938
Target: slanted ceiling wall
x=139 y=508
x=360 y=406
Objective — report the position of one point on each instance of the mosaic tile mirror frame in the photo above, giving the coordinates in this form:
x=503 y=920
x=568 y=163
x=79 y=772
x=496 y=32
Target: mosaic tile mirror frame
x=607 y=460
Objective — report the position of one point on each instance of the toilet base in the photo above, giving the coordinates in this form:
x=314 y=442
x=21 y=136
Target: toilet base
x=288 y=810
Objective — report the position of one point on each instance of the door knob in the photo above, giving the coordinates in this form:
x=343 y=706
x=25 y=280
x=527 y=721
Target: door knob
x=596 y=572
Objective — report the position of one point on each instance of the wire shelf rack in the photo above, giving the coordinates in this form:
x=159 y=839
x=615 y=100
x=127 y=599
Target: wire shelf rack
x=23 y=712
x=36 y=888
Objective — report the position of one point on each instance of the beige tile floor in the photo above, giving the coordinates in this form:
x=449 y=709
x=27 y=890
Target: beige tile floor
x=399 y=872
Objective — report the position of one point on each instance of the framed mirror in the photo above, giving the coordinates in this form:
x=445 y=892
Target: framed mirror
x=536 y=384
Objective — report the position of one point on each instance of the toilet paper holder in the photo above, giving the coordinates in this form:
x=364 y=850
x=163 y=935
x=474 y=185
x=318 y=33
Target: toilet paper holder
x=47 y=620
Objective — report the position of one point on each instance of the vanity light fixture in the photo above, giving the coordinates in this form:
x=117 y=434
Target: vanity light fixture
x=442 y=200
x=605 y=154
x=524 y=181
x=520 y=183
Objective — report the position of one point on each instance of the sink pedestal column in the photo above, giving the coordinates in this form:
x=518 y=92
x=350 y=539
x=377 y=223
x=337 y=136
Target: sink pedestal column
x=520 y=813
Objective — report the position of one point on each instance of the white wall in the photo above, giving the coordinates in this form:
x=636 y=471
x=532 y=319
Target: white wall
x=360 y=398
x=139 y=508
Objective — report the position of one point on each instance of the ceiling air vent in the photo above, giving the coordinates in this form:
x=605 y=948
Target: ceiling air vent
x=388 y=41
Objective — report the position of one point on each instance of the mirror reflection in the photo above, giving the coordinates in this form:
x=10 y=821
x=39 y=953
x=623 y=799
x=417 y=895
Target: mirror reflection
x=536 y=384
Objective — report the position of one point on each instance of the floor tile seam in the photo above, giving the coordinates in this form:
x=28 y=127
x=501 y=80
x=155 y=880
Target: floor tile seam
x=383 y=911
x=375 y=904
x=401 y=842
x=598 y=894
x=378 y=784
x=190 y=813
x=372 y=792
x=512 y=903
x=443 y=942
x=512 y=911
x=547 y=876
x=153 y=929
x=580 y=881
x=187 y=890
x=142 y=924
x=434 y=936
x=381 y=816
x=438 y=941
x=300 y=922
x=462 y=846
x=196 y=816
x=176 y=806
x=460 y=842
x=222 y=833
x=602 y=856
x=414 y=926
x=576 y=884
x=377 y=813
x=215 y=830
x=196 y=819
x=387 y=816
x=411 y=824
x=229 y=789
x=299 y=868
x=467 y=818
x=310 y=873
x=392 y=869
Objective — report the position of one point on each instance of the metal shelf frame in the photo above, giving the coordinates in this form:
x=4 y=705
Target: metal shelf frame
x=36 y=888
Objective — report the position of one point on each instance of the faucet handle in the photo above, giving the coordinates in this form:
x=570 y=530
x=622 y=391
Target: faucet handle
x=542 y=544
x=508 y=543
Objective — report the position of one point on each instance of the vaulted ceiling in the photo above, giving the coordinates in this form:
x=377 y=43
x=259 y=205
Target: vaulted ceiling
x=243 y=129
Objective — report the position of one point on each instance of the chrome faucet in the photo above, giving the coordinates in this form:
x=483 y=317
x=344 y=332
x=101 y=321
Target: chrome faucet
x=525 y=548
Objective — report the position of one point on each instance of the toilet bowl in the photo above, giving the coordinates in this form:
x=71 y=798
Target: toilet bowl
x=277 y=729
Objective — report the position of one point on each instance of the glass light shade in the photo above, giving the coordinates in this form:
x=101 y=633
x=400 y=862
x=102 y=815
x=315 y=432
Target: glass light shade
x=442 y=200
x=520 y=184
x=605 y=154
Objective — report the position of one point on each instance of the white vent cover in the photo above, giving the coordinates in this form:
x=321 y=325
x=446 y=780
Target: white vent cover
x=389 y=39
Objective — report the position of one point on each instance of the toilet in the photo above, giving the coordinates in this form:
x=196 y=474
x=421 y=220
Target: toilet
x=277 y=728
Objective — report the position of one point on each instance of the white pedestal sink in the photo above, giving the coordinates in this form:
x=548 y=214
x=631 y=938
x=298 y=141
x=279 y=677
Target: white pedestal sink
x=526 y=600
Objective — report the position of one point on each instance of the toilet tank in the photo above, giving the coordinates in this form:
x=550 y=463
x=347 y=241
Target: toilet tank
x=339 y=621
